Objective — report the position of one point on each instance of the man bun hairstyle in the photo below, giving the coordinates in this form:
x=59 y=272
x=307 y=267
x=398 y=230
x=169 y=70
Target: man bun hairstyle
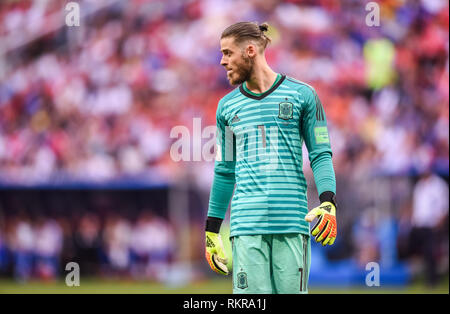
x=264 y=27
x=243 y=31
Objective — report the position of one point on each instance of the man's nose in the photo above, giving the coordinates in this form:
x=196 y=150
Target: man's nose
x=223 y=61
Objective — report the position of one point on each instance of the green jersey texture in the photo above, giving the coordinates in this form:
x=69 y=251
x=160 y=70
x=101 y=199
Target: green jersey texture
x=259 y=148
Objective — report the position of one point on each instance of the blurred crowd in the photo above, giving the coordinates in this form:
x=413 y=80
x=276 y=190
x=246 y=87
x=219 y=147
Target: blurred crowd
x=37 y=246
x=98 y=102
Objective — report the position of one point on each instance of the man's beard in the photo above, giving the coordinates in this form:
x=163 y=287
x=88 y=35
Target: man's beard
x=243 y=71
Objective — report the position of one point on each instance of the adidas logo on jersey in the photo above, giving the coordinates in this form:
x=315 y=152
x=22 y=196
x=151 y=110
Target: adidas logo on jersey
x=235 y=119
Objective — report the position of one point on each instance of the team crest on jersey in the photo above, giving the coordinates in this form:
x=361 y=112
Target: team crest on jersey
x=286 y=110
x=242 y=280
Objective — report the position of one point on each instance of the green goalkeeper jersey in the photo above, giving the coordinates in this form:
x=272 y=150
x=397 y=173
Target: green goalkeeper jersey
x=259 y=149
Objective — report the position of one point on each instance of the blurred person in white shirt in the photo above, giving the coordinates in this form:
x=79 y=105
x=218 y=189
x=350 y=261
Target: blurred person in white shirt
x=163 y=246
x=142 y=242
x=47 y=248
x=151 y=245
x=22 y=244
x=117 y=236
x=428 y=221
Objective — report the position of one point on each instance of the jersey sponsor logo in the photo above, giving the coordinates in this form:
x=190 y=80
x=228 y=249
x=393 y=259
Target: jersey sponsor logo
x=286 y=110
x=242 y=280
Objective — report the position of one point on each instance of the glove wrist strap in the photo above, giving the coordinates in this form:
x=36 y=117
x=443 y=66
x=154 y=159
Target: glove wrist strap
x=213 y=224
x=328 y=196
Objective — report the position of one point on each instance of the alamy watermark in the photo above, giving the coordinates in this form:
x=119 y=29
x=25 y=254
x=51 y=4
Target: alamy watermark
x=72 y=14
x=373 y=275
x=373 y=17
x=73 y=277
x=257 y=144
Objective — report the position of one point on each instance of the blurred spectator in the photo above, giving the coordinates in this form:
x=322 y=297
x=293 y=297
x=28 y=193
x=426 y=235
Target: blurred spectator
x=22 y=245
x=87 y=241
x=47 y=247
x=428 y=221
x=151 y=246
x=117 y=236
x=98 y=102
x=163 y=249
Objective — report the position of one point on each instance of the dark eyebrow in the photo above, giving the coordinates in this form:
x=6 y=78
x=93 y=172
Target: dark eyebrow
x=225 y=50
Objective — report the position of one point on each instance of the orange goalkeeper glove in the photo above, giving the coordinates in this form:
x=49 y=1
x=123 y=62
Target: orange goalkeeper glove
x=325 y=230
x=214 y=253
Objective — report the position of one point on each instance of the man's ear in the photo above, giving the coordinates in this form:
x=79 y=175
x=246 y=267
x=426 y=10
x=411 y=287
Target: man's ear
x=251 y=50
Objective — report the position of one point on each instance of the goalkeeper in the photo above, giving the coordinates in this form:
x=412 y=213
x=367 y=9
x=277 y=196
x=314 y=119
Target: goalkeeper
x=261 y=127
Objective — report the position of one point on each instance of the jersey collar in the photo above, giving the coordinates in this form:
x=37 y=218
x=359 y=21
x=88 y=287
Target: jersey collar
x=266 y=93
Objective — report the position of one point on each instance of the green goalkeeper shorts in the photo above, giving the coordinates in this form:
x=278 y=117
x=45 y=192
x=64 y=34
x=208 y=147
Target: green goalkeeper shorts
x=272 y=263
